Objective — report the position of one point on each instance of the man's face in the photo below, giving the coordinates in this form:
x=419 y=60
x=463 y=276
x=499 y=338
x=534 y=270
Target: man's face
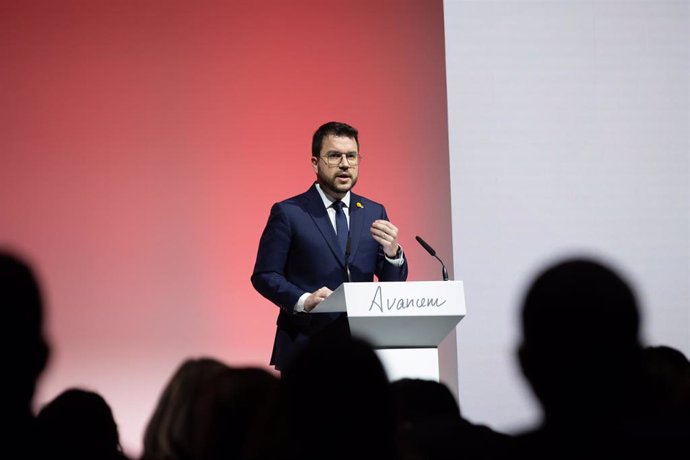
x=339 y=179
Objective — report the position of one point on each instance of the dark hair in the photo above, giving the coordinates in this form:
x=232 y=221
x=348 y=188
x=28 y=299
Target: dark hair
x=579 y=298
x=167 y=434
x=334 y=128
x=79 y=424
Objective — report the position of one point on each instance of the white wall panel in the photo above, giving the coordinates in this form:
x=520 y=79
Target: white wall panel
x=568 y=126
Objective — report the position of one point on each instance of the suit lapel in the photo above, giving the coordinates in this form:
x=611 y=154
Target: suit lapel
x=318 y=213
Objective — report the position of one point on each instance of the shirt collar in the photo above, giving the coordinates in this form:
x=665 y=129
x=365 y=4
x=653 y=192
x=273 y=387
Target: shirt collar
x=328 y=201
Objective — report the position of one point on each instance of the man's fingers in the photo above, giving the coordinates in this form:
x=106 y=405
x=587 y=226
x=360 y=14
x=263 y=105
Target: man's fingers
x=323 y=292
x=384 y=226
x=316 y=298
x=384 y=230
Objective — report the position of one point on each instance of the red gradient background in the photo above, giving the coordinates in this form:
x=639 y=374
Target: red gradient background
x=142 y=144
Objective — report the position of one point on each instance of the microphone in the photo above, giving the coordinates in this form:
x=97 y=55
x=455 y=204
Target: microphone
x=431 y=251
x=347 y=259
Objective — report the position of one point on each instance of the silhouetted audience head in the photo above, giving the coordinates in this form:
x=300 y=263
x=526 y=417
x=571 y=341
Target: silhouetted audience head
x=419 y=399
x=24 y=354
x=231 y=409
x=427 y=420
x=167 y=435
x=669 y=373
x=24 y=348
x=430 y=425
x=583 y=358
x=209 y=411
x=79 y=425
x=338 y=403
x=580 y=347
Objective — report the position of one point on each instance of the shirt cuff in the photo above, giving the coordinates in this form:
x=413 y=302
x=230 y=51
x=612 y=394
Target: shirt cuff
x=399 y=260
x=299 y=306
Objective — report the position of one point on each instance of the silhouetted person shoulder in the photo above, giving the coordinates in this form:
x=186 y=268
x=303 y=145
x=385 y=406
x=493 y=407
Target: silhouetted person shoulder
x=79 y=425
x=430 y=425
x=24 y=354
x=582 y=357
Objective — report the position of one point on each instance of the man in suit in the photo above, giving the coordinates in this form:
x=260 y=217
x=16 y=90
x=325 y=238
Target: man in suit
x=317 y=240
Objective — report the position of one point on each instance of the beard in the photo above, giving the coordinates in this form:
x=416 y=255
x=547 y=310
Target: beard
x=333 y=185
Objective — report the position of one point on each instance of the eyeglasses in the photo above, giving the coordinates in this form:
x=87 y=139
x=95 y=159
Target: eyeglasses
x=334 y=159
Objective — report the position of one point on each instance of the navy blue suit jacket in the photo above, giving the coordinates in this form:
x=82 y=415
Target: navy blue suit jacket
x=299 y=253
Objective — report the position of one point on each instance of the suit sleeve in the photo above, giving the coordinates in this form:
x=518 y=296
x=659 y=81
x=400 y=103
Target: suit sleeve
x=268 y=277
x=386 y=271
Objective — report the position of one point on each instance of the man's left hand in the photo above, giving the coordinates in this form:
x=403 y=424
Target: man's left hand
x=386 y=234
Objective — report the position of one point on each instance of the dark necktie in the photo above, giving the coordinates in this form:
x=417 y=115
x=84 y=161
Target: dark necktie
x=340 y=224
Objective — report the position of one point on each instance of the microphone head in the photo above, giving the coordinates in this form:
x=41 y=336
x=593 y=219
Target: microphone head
x=424 y=244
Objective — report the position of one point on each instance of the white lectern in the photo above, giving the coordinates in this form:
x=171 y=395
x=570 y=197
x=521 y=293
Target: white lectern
x=404 y=321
